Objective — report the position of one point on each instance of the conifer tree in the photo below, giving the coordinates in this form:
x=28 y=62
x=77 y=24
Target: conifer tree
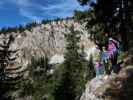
x=72 y=81
x=37 y=83
x=116 y=16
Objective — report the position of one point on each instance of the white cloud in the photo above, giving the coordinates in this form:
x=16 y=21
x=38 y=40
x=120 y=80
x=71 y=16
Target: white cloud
x=62 y=9
x=36 y=11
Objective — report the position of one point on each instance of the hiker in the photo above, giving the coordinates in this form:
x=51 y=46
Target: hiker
x=97 y=53
x=104 y=59
x=97 y=63
x=113 y=47
x=98 y=68
x=104 y=55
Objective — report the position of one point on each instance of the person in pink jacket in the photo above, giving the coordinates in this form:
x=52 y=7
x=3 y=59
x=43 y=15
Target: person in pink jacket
x=111 y=48
x=113 y=52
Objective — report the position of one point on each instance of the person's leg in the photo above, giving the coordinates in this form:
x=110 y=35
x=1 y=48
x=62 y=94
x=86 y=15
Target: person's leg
x=97 y=72
x=114 y=67
x=101 y=70
x=106 y=67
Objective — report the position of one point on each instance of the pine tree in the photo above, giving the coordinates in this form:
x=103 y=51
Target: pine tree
x=37 y=83
x=116 y=16
x=72 y=81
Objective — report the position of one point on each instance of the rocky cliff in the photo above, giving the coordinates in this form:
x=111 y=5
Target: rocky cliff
x=113 y=87
x=44 y=40
x=47 y=39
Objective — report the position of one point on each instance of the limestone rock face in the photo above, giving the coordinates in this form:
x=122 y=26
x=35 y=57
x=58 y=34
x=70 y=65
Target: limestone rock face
x=113 y=87
x=47 y=39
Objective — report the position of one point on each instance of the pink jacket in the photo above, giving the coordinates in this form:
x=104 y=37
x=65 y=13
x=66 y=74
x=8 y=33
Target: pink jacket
x=111 y=48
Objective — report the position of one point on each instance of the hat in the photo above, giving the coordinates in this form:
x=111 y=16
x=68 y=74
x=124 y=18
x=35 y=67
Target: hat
x=110 y=39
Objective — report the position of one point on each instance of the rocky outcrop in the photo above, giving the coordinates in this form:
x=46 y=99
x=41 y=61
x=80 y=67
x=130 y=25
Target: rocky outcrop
x=10 y=64
x=113 y=87
x=47 y=39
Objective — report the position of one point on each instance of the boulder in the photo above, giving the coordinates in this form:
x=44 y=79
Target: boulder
x=112 y=87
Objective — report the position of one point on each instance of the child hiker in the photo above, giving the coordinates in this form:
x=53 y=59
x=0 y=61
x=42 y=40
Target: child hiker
x=98 y=68
x=104 y=59
x=97 y=63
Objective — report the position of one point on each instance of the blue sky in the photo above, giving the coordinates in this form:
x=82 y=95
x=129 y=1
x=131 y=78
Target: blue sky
x=15 y=12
